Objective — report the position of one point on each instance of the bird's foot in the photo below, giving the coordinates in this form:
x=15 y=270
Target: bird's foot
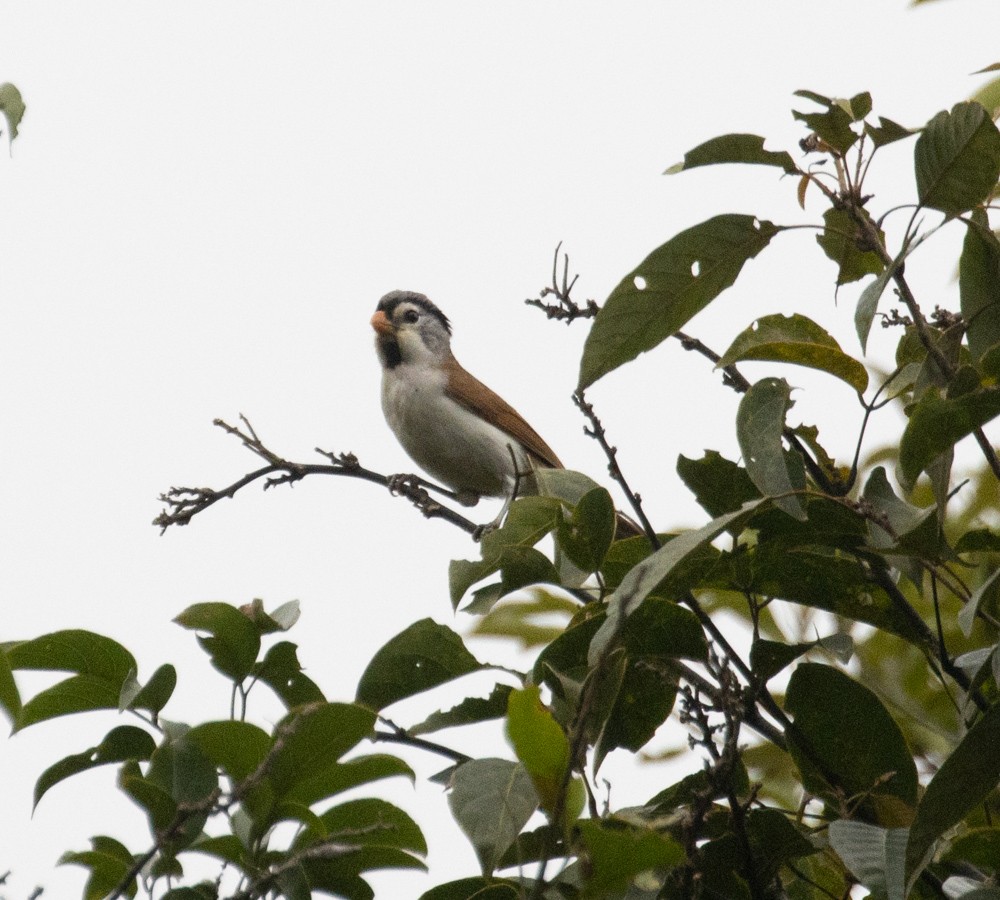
x=400 y=482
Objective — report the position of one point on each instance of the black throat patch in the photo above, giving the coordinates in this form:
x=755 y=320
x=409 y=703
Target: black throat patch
x=389 y=350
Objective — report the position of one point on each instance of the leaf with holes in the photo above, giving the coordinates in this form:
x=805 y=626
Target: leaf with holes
x=417 y=659
x=119 y=744
x=760 y=423
x=799 y=340
x=232 y=642
x=673 y=283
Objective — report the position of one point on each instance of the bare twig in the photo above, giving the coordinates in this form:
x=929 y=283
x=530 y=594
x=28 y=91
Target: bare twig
x=597 y=432
x=184 y=503
x=566 y=309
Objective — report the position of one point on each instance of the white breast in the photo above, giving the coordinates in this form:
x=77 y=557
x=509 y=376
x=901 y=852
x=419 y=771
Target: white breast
x=450 y=443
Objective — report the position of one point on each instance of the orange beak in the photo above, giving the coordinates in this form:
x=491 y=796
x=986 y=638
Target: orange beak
x=381 y=323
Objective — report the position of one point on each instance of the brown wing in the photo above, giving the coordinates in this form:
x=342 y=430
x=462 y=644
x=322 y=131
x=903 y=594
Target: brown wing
x=471 y=393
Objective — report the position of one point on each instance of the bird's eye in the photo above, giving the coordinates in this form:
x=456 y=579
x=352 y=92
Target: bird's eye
x=411 y=316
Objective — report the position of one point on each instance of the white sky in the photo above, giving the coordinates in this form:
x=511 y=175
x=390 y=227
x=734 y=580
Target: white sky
x=207 y=200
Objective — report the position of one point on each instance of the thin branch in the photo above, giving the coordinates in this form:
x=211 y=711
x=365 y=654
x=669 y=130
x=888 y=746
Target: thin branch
x=184 y=503
x=597 y=432
x=399 y=735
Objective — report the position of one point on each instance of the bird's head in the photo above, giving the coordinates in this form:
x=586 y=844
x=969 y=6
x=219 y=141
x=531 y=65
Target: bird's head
x=410 y=329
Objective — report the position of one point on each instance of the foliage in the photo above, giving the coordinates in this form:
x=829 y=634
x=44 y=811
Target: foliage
x=856 y=748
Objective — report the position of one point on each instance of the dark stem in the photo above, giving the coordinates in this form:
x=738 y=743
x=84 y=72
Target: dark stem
x=184 y=503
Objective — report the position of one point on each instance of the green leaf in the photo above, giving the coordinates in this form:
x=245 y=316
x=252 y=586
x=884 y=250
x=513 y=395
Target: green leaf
x=150 y=797
x=471 y=710
x=957 y=159
x=226 y=847
x=312 y=739
x=492 y=800
x=671 y=285
x=760 y=422
x=528 y=521
x=719 y=485
x=203 y=891
x=233 y=640
x=108 y=863
x=795 y=339
x=963 y=781
x=338 y=777
x=12 y=107
x=693 y=788
x=937 y=423
x=643 y=578
x=860 y=105
x=813 y=576
x=639 y=695
x=617 y=853
x=979 y=847
x=10 y=698
x=842 y=241
x=586 y=536
x=978 y=540
x=280 y=670
x=833 y=126
x=989 y=94
x=179 y=774
x=238 y=748
x=417 y=659
x=864 y=313
x=735 y=148
x=119 y=744
x=528 y=618
x=565 y=659
x=979 y=285
x=539 y=742
x=774 y=840
x=986 y=595
x=662 y=629
x=81 y=693
x=155 y=693
x=874 y=855
x=474 y=889
x=369 y=834
x=179 y=767
x=368 y=821
x=102 y=667
x=82 y=652
x=768 y=658
x=846 y=744
x=887 y=132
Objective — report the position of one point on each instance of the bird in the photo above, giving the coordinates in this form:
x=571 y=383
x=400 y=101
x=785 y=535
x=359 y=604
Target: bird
x=451 y=424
